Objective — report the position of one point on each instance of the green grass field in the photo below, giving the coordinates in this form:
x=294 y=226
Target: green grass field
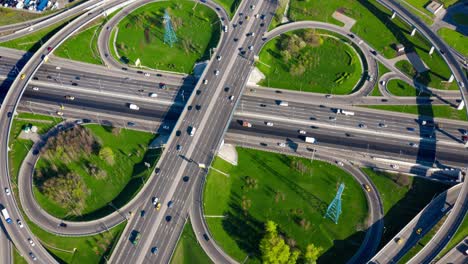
x=17 y=258
x=402 y=202
x=455 y=39
x=90 y=249
x=401 y=88
x=141 y=35
x=188 y=250
x=333 y=67
x=123 y=179
x=268 y=186
x=382 y=71
x=460 y=18
x=374 y=25
x=441 y=111
x=10 y=16
x=33 y=41
x=229 y=5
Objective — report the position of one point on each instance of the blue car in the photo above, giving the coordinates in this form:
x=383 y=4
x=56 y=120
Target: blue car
x=154 y=250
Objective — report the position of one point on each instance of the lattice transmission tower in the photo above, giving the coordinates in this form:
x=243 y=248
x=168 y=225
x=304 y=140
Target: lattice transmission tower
x=334 y=209
x=169 y=34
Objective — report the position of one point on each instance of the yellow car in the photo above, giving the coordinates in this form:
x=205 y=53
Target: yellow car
x=368 y=189
x=419 y=231
x=23 y=76
x=400 y=240
x=158 y=206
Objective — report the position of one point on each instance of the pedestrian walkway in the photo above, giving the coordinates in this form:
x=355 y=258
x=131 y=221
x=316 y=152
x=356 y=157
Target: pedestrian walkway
x=228 y=153
x=348 y=22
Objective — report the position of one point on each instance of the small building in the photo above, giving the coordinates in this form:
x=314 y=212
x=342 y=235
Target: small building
x=400 y=48
x=434 y=7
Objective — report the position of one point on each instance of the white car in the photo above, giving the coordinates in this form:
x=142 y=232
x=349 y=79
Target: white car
x=269 y=124
x=59 y=113
x=155 y=200
x=231 y=98
x=31 y=242
x=147 y=74
x=153 y=95
x=414 y=145
x=219 y=57
x=205 y=81
x=302 y=132
x=166 y=127
x=216 y=72
x=58 y=68
x=340 y=163
x=250 y=47
x=282 y=144
x=35 y=88
x=20 y=224
x=7 y=191
x=252 y=7
x=394 y=166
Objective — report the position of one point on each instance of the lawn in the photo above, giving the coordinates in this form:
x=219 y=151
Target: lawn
x=33 y=41
x=123 y=180
x=401 y=88
x=330 y=66
x=382 y=71
x=290 y=191
x=188 y=250
x=440 y=111
x=10 y=16
x=17 y=258
x=141 y=35
x=455 y=39
x=229 y=5
x=403 y=198
x=374 y=25
x=90 y=249
x=460 y=18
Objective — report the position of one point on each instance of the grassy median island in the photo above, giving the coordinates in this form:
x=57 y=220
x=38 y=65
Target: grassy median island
x=141 y=35
x=403 y=198
x=401 y=88
x=83 y=169
x=9 y=16
x=440 y=111
x=188 y=250
x=289 y=191
x=455 y=39
x=307 y=60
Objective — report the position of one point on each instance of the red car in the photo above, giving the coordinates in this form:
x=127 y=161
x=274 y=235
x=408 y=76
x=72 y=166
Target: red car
x=49 y=49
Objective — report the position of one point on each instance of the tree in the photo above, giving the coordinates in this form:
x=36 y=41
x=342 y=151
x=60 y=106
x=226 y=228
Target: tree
x=312 y=253
x=274 y=249
x=107 y=154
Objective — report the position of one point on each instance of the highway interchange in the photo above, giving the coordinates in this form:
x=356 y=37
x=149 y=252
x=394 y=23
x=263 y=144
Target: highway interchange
x=250 y=107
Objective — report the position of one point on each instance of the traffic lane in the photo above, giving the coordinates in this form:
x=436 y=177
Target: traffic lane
x=325 y=111
x=378 y=145
x=456 y=254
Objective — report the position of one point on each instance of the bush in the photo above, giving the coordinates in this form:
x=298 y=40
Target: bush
x=107 y=155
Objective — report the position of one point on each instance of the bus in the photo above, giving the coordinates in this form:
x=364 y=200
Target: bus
x=6 y=215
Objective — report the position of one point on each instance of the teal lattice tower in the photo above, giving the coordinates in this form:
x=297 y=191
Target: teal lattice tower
x=334 y=209
x=169 y=34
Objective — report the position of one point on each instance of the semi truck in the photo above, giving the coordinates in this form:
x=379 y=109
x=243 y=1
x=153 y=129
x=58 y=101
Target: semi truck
x=246 y=124
x=6 y=215
x=310 y=140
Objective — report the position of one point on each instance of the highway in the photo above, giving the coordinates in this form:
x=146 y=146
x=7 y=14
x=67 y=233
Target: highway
x=18 y=235
x=457 y=255
x=31 y=26
x=426 y=219
x=5 y=247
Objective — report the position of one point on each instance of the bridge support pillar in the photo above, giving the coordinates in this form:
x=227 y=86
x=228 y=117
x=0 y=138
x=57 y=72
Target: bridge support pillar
x=413 y=32
x=461 y=106
x=431 y=50
x=393 y=15
x=451 y=78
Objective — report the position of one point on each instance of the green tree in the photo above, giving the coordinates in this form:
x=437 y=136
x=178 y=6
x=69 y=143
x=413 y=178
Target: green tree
x=107 y=154
x=312 y=253
x=274 y=249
